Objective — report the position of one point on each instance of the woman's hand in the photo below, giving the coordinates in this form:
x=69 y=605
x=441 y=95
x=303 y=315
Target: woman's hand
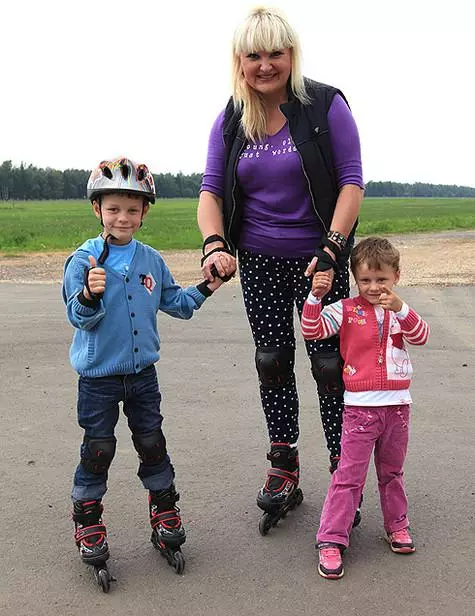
x=224 y=263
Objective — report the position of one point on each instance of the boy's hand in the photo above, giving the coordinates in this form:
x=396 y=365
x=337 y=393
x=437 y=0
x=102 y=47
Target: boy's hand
x=389 y=300
x=217 y=282
x=322 y=283
x=96 y=279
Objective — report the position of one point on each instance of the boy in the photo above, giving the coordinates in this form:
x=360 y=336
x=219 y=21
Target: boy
x=113 y=288
x=377 y=372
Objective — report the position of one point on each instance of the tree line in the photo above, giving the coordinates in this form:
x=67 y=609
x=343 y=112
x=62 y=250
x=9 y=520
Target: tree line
x=29 y=182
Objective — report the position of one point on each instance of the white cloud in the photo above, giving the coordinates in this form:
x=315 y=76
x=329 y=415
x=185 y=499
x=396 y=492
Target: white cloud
x=85 y=81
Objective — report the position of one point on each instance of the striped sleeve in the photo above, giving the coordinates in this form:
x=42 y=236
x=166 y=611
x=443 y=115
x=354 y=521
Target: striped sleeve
x=414 y=329
x=317 y=324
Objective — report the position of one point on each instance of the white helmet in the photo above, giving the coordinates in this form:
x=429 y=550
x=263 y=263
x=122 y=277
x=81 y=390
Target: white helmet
x=121 y=175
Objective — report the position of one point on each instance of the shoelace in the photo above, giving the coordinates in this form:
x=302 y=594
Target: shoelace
x=330 y=552
x=400 y=536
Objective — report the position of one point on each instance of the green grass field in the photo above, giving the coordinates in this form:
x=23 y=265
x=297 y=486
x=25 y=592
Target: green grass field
x=30 y=226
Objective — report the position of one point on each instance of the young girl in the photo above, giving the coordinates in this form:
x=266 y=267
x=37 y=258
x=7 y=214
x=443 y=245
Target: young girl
x=377 y=373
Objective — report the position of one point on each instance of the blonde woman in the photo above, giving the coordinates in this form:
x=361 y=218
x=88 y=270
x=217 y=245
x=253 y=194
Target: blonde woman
x=282 y=190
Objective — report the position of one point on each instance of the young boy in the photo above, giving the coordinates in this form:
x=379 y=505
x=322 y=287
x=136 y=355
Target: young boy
x=377 y=373
x=113 y=288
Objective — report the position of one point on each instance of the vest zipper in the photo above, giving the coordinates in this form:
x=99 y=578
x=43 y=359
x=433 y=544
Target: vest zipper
x=308 y=183
x=232 y=193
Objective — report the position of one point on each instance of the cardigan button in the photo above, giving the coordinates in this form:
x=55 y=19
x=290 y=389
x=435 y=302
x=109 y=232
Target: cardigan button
x=136 y=350
x=129 y=296
x=132 y=314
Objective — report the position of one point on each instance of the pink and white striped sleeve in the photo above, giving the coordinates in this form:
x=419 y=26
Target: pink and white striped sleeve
x=414 y=329
x=317 y=324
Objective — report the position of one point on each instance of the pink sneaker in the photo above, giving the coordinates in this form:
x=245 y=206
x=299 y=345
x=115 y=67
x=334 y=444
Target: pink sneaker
x=329 y=561
x=401 y=541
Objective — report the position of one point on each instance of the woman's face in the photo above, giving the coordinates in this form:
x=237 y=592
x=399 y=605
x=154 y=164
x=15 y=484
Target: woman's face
x=267 y=72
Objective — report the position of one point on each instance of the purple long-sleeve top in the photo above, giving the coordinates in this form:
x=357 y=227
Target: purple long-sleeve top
x=278 y=215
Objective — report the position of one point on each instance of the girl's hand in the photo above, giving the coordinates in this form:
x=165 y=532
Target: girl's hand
x=389 y=300
x=322 y=283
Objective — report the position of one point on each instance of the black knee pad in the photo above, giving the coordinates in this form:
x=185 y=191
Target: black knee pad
x=151 y=447
x=327 y=370
x=101 y=454
x=275 y=365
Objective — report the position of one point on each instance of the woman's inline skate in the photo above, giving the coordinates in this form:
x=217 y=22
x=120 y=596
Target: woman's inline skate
x=91 y=539
x=280 y=493
x=168 y=533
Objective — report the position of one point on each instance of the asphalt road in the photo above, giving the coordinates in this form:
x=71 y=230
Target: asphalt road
x=217 y=439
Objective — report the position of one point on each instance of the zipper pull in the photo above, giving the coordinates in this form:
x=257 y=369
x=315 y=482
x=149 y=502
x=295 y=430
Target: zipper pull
x=380 y=359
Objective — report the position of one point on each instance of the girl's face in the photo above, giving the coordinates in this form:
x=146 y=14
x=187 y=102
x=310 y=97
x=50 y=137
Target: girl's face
x=370 y=281
x=268 y=72
x=121 y=216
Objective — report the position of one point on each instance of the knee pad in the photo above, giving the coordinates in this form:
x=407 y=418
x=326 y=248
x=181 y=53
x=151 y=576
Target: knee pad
x=275 y=365
x=327 y=371
x=151 y=447
x=101 y=454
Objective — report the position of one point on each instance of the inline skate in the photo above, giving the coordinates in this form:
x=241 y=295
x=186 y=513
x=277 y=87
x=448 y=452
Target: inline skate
x=91 y=539
x=280 y=493
x=168 y=533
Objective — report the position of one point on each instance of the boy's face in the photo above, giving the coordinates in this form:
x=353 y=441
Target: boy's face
x=121 y=216
x=370 y=281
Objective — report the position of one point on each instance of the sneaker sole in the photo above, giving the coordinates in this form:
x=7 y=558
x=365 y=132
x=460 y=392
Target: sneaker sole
x=331 y=576
x=406 y=550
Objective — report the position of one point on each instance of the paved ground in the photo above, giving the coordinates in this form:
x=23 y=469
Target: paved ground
x=217 y=438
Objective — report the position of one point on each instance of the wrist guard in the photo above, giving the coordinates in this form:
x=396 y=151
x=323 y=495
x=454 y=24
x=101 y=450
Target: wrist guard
x=325 y=261
x=214 y=238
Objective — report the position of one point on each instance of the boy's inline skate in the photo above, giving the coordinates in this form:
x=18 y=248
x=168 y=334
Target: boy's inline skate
x=280 y=492
x=91 y=539
x=168 y=533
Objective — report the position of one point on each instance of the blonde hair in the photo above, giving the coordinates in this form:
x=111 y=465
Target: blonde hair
x=264 y=29
x=374 y=252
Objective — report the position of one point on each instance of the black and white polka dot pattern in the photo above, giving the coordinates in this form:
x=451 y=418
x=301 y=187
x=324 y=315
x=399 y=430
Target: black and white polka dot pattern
x=271 y=287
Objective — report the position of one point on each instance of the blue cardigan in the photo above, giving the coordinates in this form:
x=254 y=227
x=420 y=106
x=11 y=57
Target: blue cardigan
x=119 y=335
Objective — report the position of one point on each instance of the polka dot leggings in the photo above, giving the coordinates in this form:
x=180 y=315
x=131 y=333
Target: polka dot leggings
x=271 y=287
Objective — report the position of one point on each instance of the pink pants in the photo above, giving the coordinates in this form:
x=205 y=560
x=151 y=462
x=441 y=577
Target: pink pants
x=386 y=429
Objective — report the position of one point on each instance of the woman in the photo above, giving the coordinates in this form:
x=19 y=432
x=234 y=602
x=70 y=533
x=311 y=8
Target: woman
x=282 y=187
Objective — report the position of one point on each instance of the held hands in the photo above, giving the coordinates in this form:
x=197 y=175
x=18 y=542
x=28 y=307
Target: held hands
x=96 y=279
x=389 y=300
x=322 y=283
x=225 y=266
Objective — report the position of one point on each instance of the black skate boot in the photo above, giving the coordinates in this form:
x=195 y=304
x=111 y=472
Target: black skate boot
x=168 y=533
x=91 y=539
x=332 y=468
x=280 y=493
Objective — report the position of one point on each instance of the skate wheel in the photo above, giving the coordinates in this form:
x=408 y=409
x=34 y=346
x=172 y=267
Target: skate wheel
x=103 y=579
x=178 y=562
x=265 y=524
x=299 y=498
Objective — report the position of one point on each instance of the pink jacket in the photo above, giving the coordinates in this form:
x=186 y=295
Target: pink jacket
x=370 y=363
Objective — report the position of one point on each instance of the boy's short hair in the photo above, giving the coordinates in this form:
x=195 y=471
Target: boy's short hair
x=375 y=252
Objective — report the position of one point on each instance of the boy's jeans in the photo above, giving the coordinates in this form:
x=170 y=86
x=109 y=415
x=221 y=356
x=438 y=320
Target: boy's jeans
x=386 y=429
x=98 y=413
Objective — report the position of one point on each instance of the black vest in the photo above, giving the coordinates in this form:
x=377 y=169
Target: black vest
x=308 y=127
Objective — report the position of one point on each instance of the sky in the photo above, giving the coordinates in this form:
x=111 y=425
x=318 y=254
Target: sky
x=90 y=80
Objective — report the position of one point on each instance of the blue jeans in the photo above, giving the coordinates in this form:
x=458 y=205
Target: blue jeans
x=98 y=414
